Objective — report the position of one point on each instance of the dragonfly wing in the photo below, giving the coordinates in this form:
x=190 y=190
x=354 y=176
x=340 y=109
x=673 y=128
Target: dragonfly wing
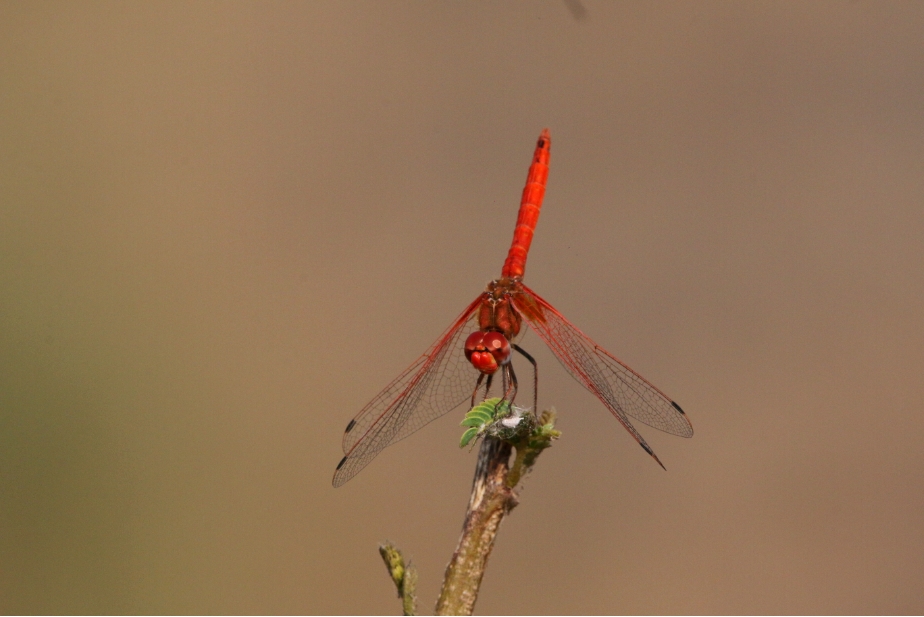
x=624 y=392
x=437 y=382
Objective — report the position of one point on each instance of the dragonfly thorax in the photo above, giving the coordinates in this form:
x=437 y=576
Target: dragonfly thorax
x=497 y=311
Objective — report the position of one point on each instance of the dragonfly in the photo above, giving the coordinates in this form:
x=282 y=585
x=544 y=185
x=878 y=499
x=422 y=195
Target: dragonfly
x=478 y=347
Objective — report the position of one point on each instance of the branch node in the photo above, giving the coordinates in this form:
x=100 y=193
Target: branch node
x=403 y=576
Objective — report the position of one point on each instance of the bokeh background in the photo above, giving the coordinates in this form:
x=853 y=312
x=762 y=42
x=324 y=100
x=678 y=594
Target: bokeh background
x=224 y=227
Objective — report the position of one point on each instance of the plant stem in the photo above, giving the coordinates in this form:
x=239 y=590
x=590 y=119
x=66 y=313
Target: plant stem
x=490 y=501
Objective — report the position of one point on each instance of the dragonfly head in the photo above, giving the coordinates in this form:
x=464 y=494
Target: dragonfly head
x=487 y=351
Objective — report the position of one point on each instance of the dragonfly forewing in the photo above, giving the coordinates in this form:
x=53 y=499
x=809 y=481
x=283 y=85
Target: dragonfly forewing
x=436 y=383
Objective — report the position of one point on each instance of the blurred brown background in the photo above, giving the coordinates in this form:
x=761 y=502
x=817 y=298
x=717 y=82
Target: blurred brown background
x=225 y=227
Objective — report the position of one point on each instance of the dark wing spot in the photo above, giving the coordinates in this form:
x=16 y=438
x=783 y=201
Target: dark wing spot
x=677 y=407
x=353 y=423
x=340 y=464
x=646 y=448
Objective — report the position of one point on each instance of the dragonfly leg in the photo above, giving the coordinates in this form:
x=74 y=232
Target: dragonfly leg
x=478 y=385
x=510 y=383
x=535 y=377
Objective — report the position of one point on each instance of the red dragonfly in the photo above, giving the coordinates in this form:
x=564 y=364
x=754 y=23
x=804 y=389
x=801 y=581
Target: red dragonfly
x=444 y=377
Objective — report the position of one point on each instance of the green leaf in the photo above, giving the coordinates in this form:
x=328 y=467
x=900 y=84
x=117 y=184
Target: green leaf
x=467 y=437
x=481 y=418
x=472 y=419
x=486 y=407
x=501 y=408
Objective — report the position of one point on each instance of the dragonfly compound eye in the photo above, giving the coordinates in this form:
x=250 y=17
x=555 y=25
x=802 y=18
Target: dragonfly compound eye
x=487 y=351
